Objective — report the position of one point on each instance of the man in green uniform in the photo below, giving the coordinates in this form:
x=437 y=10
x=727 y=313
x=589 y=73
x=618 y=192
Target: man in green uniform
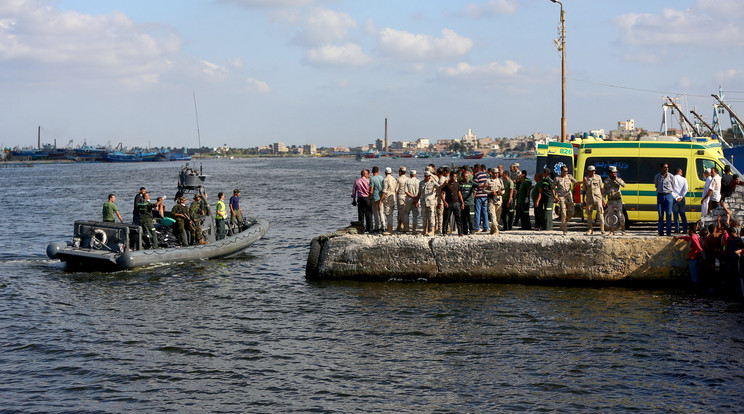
x=507 y=204
x=181 y=213
x=109 y=209
x=539 y=209
x=144 y=210
x=523 y=201
x=196 y=213
x=220 y=216
x=467 y=188
x=545 y=199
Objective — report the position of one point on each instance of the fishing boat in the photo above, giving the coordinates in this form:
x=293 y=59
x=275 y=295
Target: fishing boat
x=118 y=156
x=106 y=246
x=372 y=154
x=473 y=155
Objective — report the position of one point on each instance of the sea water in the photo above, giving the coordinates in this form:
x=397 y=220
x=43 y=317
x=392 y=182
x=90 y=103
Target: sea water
x=250 y=334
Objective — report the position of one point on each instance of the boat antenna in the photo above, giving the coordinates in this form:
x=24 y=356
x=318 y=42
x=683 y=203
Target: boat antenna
x=198 y=134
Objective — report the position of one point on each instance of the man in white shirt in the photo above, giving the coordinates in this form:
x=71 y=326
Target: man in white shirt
x=714 y=191
x=679 y=191
x=705 y=200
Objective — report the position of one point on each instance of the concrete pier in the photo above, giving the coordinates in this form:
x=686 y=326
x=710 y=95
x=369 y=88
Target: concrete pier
x=514 y=256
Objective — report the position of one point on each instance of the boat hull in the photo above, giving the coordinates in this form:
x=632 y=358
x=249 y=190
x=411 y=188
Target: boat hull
x=90 y=259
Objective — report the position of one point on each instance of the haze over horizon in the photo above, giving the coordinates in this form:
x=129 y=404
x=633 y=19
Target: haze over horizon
x=329 y=72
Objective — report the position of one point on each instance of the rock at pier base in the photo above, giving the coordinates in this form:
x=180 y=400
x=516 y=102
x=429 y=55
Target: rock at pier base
x=525 y=257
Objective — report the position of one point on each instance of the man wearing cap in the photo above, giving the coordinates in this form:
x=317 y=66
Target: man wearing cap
x=400 y=197
x=181 y=213
x=411 y=194
x=564 y=190
x=442 y=178
x=389 y=190
x=196 y=213
x=507 y=202
x=612 y=187
x=236 y=214
x=593 y=198
x=495 y=190
x=427 y=197
x=375 y=186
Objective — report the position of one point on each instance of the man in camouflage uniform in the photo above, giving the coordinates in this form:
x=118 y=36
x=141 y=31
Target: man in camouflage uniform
x=411 y=193
x=615 y=199
x=196 y=213
x=564 y=190
x=428 y=196
x=593 y=198
x=495 y=191
x=389 y=190
x=181 y=214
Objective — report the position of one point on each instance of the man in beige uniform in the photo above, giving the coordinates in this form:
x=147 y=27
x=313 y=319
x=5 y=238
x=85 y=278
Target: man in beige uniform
x=428 y=190
x=564 y=189
x=389 y=189
x=494 y=189
x=410 y=196
x=442 y=179
x=593 y=198
x=615 y=199
x=400 y=197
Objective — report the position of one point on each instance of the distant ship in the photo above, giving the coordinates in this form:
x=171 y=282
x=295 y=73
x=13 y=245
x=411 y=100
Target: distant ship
x=473 y=156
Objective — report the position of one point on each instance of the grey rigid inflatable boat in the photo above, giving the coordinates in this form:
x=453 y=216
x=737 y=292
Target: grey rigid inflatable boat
x=106 y=246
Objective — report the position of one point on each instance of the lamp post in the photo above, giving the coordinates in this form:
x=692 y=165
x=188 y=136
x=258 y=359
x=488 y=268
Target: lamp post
x=561 y=43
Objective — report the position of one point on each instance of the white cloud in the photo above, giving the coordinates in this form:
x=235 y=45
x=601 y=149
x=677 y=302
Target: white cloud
x=213 y=69
x=489 y=9
x=348 y=54
x=109 y=45
x=255 y=85
x=324 y=26
x=493 y=70
x=269 y=4
x=414 y=47
x=729 y=76
x=707 y=23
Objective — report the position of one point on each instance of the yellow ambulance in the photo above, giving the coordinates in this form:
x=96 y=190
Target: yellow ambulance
x=637 y=164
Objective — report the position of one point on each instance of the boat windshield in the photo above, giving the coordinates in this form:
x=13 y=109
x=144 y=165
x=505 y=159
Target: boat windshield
x=724 y=161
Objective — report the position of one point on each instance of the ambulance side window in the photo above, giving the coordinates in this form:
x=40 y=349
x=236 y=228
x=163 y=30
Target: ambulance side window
x=702 y=165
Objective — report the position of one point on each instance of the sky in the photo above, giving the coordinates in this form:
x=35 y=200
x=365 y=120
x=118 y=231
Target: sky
x=328 y=72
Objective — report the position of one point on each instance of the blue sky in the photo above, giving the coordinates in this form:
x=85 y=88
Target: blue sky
x=329 y=72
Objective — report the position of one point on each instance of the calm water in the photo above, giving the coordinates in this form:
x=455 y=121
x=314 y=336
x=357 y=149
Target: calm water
x=251 y=335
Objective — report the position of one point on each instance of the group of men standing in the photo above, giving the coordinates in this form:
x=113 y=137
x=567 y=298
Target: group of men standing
x=189 y=217
x=467 y=200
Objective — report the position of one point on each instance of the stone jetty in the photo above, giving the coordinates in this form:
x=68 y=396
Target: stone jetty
x=514 y=256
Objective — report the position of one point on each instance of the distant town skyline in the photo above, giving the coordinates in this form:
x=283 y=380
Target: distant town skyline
x=328 y=72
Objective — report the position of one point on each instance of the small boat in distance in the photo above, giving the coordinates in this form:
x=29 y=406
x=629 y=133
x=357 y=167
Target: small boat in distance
x=372 y=154
x=476 y=155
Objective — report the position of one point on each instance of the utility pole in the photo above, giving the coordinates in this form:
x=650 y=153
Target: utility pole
x=561 y=44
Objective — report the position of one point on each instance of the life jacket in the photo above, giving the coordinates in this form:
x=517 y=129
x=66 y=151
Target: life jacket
x=221 y=210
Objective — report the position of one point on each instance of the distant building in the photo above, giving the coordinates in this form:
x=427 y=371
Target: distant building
x=422 y=143
x=625 y=130
x=628 y=125
x=470 y=139
x=279 y=147
x=310 y=149
x=341 y=149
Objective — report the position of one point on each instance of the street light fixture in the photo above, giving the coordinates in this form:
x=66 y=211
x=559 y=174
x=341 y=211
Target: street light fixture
x=561 y=44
